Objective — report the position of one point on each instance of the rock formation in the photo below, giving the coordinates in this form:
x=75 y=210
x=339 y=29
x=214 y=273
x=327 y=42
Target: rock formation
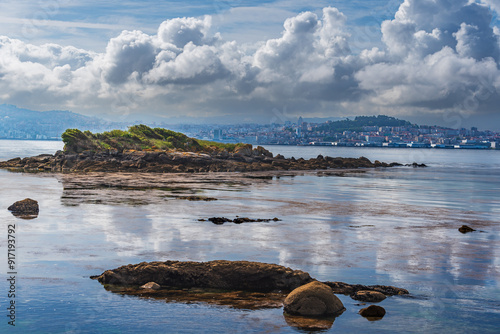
x=465 y=229
x=26 y=207
x=229 y=275
x=368 y=296
x=313 y=299
x=372 y=311
x=350 y=289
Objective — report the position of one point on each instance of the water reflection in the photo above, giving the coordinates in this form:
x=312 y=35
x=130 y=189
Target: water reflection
x=393 y=227
x=308 y=325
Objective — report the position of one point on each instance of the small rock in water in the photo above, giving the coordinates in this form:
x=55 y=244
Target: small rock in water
x=368 y=296
x=313 y=299
x=219 y=220
x=465 y=229
x=151 y=285
x=26 y=207
x=373 y=311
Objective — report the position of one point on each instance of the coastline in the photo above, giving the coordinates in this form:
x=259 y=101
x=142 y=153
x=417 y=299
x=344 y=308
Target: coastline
x=158 y=161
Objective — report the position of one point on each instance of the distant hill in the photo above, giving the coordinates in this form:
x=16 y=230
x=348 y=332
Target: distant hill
x=18 y=123
x=358 y=123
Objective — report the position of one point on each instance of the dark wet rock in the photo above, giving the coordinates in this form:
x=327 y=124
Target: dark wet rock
x=219 y=220
x=242 y=220
x=416 y=165
x=197 y=198
x=372 y=311
x=313 y=299
x=465 y=229
x=151 y=285
x=238 y=220
x=308 y=324
x=368 y=296
x=26 y=207
x=229 y=275
x=244 y=159
x=349 y=289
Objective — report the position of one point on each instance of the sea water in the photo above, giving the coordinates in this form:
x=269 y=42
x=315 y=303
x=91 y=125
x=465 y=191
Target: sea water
x=390 y=226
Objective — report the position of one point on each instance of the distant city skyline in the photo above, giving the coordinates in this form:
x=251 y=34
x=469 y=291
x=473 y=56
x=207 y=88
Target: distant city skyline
x=429 y=62
x=373 y=131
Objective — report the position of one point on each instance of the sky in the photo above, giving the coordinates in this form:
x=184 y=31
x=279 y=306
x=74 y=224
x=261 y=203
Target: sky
x=427 y=61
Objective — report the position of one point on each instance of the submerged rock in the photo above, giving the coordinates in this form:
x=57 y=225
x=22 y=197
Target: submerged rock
x=197 y=198
x=219 y=220
x=230 y=275
x=349 y=289
x=368 y=296
x=246 y=300
x=238 y=220
x=373 y=311
x=465 y=229
x=26 y=207
x=313 y=299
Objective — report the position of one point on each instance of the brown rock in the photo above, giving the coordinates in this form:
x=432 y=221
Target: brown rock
x=244 y=150
x=25 y=207
x=229 y=275
x=349 y=289
x=314 y=299
x=465 y=229
x=368 y=296
x=372 y=311
x=151 y=285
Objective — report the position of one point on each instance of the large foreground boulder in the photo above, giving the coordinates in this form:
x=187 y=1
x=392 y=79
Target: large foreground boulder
x=26 y=207
x=313 y=299
x=229 y=275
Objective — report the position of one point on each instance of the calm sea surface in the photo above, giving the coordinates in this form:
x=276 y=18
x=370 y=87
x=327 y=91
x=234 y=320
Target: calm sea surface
x=396 y=226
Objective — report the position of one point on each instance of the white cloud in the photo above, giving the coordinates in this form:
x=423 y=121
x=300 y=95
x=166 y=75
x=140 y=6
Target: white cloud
x=181 y=31
x=438 y=55
x=133 y=52
x=442 y=56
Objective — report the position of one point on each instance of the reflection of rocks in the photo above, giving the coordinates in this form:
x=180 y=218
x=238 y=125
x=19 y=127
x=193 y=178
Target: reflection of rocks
x=350 y=289
x=368 y=296
x=230 y=275
x=222 y=220
x=236 y=299
x=373 y=311
x=313 y=299
x=465 y=229
x=27 y=208
x=143 y=188
x=309 y=324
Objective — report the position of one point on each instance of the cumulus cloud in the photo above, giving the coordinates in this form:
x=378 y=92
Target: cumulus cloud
x=441 y=55
x=181 y=31
x=438 y=55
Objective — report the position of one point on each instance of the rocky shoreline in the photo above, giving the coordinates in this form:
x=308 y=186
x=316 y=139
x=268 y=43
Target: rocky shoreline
x=307 y=303
x=244 y=159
